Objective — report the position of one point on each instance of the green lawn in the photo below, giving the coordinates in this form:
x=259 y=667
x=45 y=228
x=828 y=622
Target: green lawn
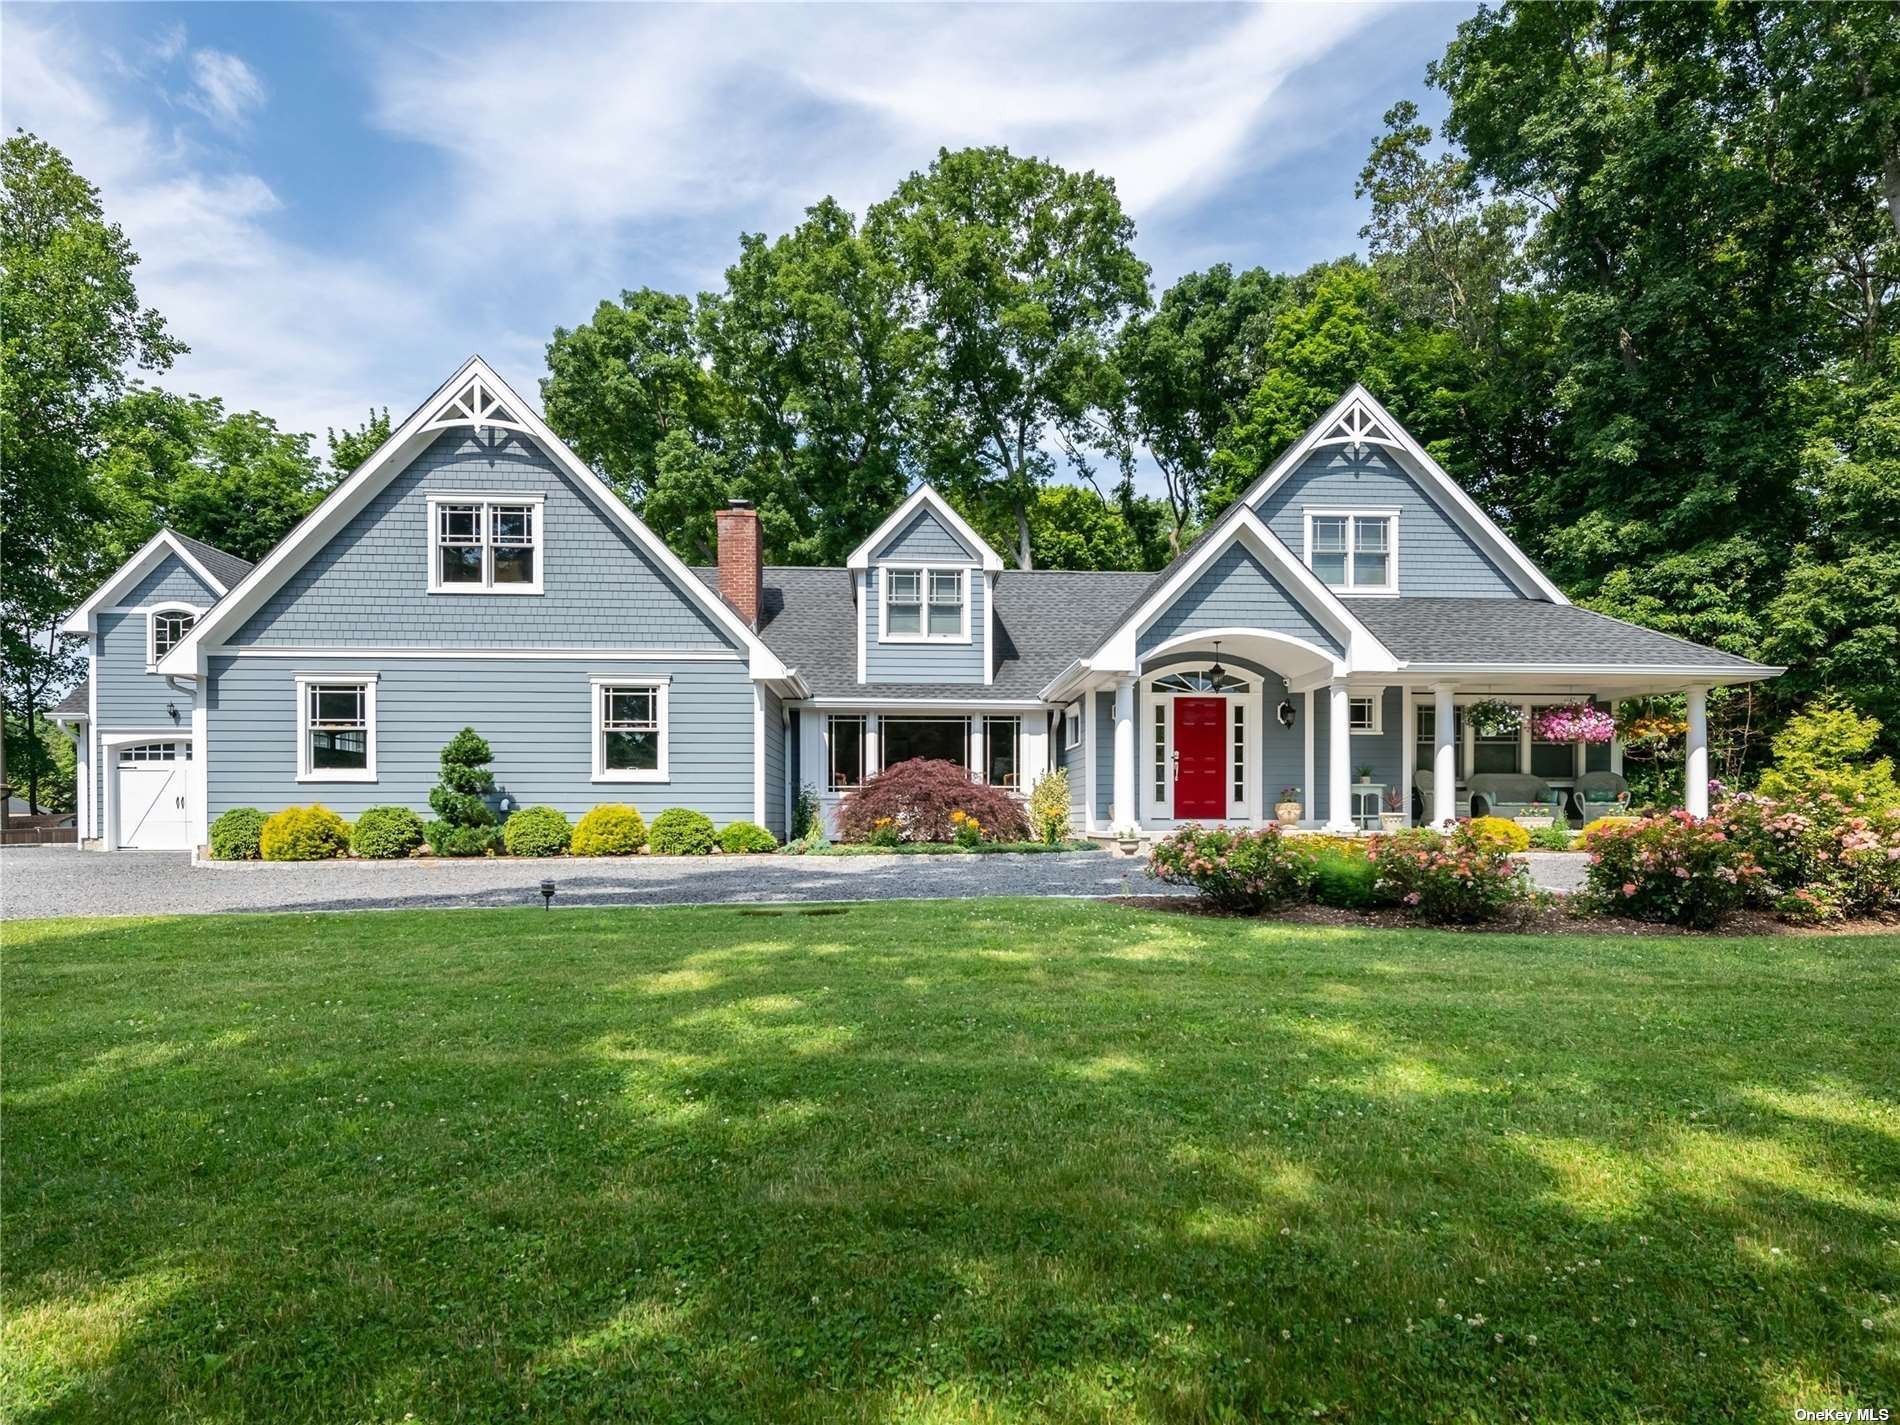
x=943 y=1162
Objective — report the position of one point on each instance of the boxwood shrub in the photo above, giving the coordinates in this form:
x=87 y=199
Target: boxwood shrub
x=386 y=833
x=312 y=833
x=609 y=830
x=234 y=835
x=536 y=831
x=447 y=839
x=743 y=838
x=679 y=832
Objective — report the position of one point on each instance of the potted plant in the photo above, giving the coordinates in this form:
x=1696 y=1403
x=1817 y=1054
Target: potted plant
x=1539 y=818
x=1364 y=774
x=1129 y=840
x=1574 y=722
x=1289 y=809
x=1392 y=817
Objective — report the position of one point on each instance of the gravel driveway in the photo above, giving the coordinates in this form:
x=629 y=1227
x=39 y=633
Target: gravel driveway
x=38 y=881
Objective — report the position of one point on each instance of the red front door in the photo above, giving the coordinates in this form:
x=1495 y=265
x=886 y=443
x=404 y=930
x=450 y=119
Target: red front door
x=1200 y=758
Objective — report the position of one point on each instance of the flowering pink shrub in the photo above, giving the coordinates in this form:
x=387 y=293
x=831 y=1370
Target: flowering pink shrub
x=1673 y=869
x=1235 y=870
x=1821 y=857
x=1462 y=878
x=1573 y=722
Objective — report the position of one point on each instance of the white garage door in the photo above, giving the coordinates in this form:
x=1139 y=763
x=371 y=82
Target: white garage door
x=151 y=796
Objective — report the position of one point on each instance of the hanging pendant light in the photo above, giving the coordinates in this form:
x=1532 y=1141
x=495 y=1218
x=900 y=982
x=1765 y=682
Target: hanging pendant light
x=1215 y=672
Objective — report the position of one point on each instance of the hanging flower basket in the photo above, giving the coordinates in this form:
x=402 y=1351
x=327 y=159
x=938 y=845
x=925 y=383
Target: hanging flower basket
x=1574 y=722
x=1655 y=727
x=1494 y=718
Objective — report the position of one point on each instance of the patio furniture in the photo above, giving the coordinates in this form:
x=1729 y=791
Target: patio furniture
x=1599 y=794
x=1510 y=794
x=1421 y=797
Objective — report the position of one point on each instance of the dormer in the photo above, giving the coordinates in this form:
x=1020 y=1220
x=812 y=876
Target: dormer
x=924 y=583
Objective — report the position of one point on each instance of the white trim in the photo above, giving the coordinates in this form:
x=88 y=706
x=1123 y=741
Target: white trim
x=1713 y=677
x=899 y=706
x=486 y=502
x=1408 y=747
x=925 y=570
x=1377 y=699
x=339 y=678
x=758 y=753
x=151 y=628
x=1072 y=709
x=1351 y=588
x=395 y=453
x=198 y=776
x=989 y=628
x=509 y=655
x=1416 y=462
x=107 y=770
x=1310 y=793
x=142 y=562
x=1088 y=760
x=659 y=685
x=860 y=596
x=1253 y=704
x=983 y=555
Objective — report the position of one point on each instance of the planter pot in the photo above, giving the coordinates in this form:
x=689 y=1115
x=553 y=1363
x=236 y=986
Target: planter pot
x=1288 y=813
x=1365 y=781
x=1534 y=823
x=1392 y=821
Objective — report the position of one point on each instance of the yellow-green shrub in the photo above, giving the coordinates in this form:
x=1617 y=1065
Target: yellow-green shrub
x=610 y=830
x=1500 y=832
x=1588 y=834
x=312 y=833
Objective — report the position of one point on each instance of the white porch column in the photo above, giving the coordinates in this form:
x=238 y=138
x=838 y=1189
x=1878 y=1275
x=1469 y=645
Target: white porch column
x=1444 y=757
x=979 y=764
x=1339 y=757
x=1696 y=774
x=873 y=762
x=1125 y=814
x=1408 y=747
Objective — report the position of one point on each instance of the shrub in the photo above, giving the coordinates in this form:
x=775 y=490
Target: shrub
x=447 y=839
x=1500 y=832
x=883 y=832
x=536 y=831
x=1552 y=838
x=1820 y=858
x=1825 y=748
x=918 y=797
x=808 y=817
x=1587 y=837
x=384 y=833
x=679 y=832
x=1049 y=807
x=746 y=838
x=611 y=829
x=465 y=781
x=1234 y=870
x=234 y=836
x=1672 y=869
x=1460 y=878
x=1343 y=877
x=312 y=833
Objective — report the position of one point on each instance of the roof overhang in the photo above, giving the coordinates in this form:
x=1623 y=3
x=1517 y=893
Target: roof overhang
x=83 y=620
x=475 y=396
x=1620 y=679
x=922 y=496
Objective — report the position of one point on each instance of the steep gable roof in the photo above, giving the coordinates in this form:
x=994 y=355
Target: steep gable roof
x=924 y=497
x=219 y=571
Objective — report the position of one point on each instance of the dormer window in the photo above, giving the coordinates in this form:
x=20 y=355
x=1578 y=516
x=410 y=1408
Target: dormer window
x=165 y=630
x=1354 y=551
x=485 y=544
x=923 y=604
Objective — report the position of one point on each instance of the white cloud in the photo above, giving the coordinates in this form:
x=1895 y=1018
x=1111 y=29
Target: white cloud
x=223 y=87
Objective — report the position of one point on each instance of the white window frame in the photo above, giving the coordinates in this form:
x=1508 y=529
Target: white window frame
x=1071 y=727
x=659 y=687
x=990 y=722
x=152 y=616
x=1390 y=587
x=832 y=786
x=923 y=570
x=1239 y=809
x=1376 y=726
x=305 y=682
x=487 y=502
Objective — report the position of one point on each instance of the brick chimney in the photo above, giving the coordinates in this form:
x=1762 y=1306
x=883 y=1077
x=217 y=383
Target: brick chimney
x=741 y=570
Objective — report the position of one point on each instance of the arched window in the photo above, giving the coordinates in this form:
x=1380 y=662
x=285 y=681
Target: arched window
x=169 y=627
x=1200 y=683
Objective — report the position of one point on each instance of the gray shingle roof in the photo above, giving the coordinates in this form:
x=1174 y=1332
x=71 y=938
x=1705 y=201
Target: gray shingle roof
x=77 y=703
x=1451 y=630
x=227 y=569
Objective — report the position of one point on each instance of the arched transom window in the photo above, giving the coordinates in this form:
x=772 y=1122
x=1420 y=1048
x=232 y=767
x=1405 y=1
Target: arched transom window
x=1197 y=682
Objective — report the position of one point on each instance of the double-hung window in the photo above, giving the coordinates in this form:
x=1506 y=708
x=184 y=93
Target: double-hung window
x=1354 y=551
x=630 y=731
x=485 y=544
x=1072 y=726
x=336 y=727
x=925 y=605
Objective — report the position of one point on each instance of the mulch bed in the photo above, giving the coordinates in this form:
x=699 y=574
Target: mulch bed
x=1529 y=919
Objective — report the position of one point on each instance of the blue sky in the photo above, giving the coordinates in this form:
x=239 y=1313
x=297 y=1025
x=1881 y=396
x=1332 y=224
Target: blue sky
x=335 y=204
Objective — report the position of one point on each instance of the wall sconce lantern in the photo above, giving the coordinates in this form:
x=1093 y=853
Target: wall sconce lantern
x=171 y=711
x=1286 y=712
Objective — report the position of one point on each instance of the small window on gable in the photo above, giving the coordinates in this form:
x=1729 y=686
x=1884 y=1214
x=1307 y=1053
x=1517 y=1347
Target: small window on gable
x=1355 y=552
x=925 y=605
x=169 y=627
x=485 y=545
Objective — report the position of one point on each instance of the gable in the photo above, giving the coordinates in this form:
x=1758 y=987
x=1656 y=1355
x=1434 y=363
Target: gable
x=367 y=584
x=1436 y=555
x=171 y=580
x=1236 y=590
x=925 y=536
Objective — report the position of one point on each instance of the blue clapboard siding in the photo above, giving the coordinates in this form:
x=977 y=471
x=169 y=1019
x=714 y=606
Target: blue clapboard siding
x=774 y=764
x=1385 y=753
x=1072 y=762
x=1104 y=756
x=369 y=584
x=1236 y=591
x=536 y=714
x=171 y=581
x=923 y=536
x=129 y=698
x=1282 y=749
x=925 y=662
x=1436 y=557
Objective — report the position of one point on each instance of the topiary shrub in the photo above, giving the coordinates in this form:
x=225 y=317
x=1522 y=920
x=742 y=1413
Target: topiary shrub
x=447 y=839
x=234 y=835
x=1500 y=832
x=465 y=826
x=536 y=831
x=1049 y=807
x=609 y=830
x=385 y=833
x=312 y=833
x=746 y=838
x=679 y=832
x=918 y=796
x=1240 y=871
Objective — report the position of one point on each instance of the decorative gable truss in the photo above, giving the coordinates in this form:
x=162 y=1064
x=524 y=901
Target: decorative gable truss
x=479 y=405
x=1357 y=428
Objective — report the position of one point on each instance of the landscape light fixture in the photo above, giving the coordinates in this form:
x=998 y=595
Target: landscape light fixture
x=547 y=895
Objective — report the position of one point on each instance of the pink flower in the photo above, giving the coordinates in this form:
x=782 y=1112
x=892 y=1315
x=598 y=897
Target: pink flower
x=1412 y=897
x=1628 y=889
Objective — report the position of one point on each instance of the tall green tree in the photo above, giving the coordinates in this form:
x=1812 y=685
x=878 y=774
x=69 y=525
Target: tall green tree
x=352 y=445
x=1019 y=274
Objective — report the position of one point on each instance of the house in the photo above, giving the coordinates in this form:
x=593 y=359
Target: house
x=474 y=572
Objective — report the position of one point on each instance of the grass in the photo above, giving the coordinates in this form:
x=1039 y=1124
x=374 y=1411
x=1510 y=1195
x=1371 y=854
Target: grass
x=977 y=1161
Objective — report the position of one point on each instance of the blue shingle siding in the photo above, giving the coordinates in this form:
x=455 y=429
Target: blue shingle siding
x=774 y=764
x=1436 y=557
x=369 y=583
x=1104 y=756
x=924 y=536
x=172 y=581
x=1236 y=590
x=924 y=662
x=536 y=714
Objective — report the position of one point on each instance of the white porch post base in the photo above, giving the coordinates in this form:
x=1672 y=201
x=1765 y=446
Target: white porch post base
x=1696 y=774
x=1124 y=816
x=1339 y=759
x=1444 y=757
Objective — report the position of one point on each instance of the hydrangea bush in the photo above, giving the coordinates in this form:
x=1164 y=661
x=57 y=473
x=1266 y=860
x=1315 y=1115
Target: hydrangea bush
x=1672 y=869
x=1462 y=878
x=1241 y=871
x=1821 y=857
